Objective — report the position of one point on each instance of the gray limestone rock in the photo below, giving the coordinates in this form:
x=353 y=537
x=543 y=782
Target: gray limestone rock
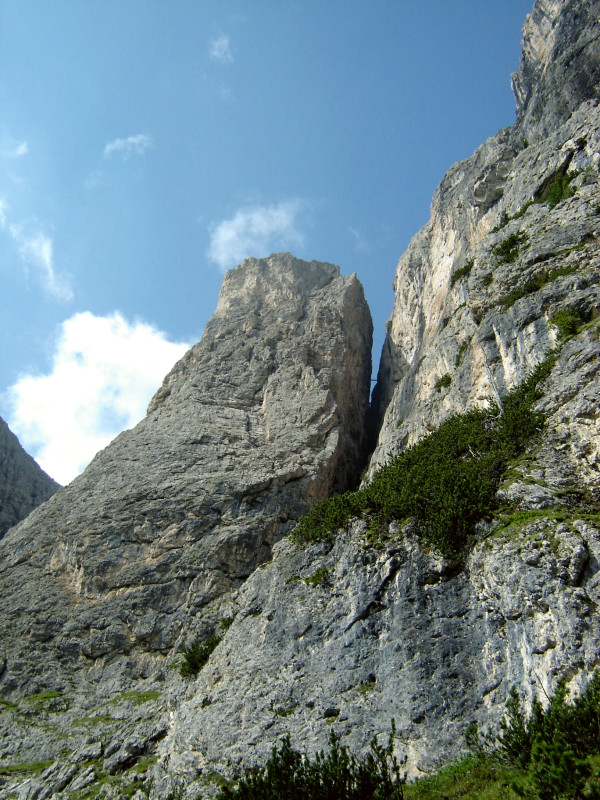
x=23 y=484
x=104 y=584
x=394 y=633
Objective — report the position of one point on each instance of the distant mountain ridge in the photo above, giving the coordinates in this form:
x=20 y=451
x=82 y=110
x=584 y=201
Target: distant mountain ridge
x=23 y=484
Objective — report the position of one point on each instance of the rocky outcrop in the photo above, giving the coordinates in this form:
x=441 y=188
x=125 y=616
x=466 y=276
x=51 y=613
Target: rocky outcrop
x=352 y=636
x=133 y=558
x=395 y=633
x=459 y=334
x=23 y=484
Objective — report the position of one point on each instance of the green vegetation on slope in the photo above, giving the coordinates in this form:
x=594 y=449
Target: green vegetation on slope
x=337 y=775
x=549 y=754
x=448 y=481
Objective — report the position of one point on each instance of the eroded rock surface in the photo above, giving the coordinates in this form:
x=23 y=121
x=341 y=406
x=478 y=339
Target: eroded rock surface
x=468 y=323
x=132 y=559
x=347 y=637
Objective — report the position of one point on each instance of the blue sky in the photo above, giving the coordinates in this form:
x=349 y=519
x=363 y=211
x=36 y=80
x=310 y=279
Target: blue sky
x=146 y=147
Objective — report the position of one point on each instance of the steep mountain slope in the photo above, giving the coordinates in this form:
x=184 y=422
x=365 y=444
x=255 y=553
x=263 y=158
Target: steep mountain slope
x=104 y=583
x=23 y=485
x=352 y=636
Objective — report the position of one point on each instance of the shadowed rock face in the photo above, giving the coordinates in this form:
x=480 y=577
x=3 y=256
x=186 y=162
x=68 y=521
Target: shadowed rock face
x=262 y=417
x=23 y=485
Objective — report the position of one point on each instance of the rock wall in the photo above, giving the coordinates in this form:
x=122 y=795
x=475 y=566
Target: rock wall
x=350 y=636
x=104 y=584
x=23 y=484
x=464 y=329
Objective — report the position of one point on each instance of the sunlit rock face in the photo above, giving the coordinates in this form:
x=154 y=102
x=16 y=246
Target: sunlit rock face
x=454 y=315
x=23 y=484
x=397 y=631
x=261 y=418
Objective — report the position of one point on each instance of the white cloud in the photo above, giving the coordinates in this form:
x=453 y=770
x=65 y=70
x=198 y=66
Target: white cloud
x=16 y=150
x=36 y=250
x=220 y=49
x=255 y=231
x=3 y=210
x=132 y=145
x=104 y=372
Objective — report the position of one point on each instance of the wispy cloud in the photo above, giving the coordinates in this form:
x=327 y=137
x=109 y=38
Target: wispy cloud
x=132 y=145
x=360 y=243
x=103 y=374
x=255 y=231
x=220 y=49
x=16 y=150
x=36 y=251
x=94 y=179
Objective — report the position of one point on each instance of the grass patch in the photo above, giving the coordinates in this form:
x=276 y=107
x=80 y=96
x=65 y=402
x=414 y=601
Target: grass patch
x=137 y=698
x=443 y=382
x=559 y=189
x=534 y=284
x=447 y=481
x=319 y=578
x=8 y=704
x=468 y=779
x=567 y=321
x=31 y=767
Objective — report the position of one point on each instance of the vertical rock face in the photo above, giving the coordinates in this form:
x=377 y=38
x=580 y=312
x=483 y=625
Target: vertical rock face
x=23 y=485
x=560 y=64
x=262 y=417
x=159 y=538
x=468 y=312
x=352 y=636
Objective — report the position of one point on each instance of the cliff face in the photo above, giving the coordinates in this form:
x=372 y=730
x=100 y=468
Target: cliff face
x=135 y=557
x=23 y=485
x=455 y=314
x=353 y=636
x=161 y=537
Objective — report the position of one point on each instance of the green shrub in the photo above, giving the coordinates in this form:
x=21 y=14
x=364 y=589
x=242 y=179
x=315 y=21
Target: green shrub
x=339 y=775
x=460 y=273
x=534 y=284
x=554 y=745
x=559 y=189
x=509 y=249
x=504 y=220
x=447 y=481
x=567 y=321
x=195 y=656
x=443 y=382
x=319 y=578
